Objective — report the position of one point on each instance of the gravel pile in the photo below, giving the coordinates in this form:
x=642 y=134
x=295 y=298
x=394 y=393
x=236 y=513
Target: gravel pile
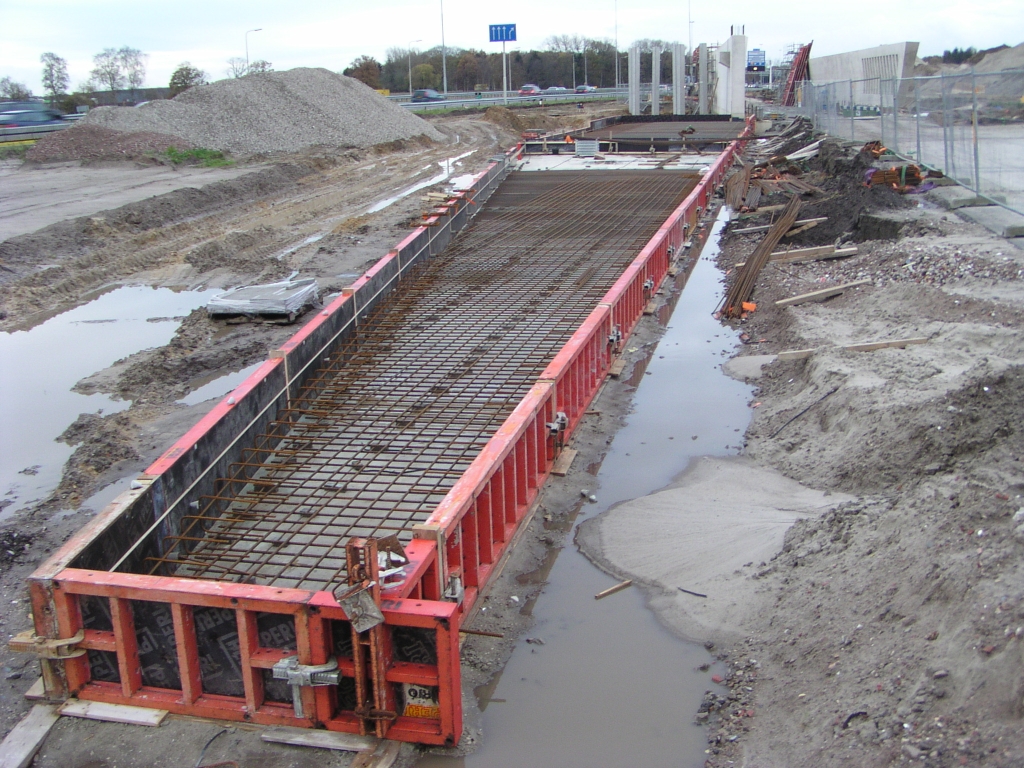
x=273 y=112
x=93 y=142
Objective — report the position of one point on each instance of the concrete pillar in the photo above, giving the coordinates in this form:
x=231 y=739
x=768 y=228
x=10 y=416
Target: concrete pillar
x=730 y=91
x=703 y=74
x=633 y=73
x=655 y=80
x=678 y=79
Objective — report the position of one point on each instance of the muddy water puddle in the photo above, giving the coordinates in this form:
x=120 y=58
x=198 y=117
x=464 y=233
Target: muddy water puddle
x=607 y=685
x=41 y=365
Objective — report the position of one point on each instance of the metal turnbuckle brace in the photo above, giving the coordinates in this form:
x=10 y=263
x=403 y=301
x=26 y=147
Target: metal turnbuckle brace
x=47 y=648
x=305 y=675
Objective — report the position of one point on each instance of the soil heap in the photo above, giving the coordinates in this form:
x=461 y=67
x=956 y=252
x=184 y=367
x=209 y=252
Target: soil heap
x=273 y=112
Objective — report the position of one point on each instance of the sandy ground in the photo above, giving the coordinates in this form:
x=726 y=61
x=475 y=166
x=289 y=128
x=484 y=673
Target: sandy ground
x=37 y=196
x=887 y=624
x=307 y=212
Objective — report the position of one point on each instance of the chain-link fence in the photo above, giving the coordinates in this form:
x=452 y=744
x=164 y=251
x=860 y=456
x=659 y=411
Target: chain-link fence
x=969 y=126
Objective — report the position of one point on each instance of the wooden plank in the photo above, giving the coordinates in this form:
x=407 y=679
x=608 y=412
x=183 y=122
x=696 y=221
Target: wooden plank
x=795 y=354
x=37 y=692
x=818 y=250
x=871 y=346
x=302 y=737
x=25 y=739
x=384 y=756
x=112 y=713
x=616 y=368
x=612 y=590
x=804 y=228
x=834 y=253
x=766 y=227
x=821 y=295
x=651 y=308
x=561 y=466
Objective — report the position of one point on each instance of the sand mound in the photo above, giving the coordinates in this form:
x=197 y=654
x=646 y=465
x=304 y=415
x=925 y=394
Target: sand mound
x=273 y=112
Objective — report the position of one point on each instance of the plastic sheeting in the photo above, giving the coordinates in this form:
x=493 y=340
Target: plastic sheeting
x=289 y=297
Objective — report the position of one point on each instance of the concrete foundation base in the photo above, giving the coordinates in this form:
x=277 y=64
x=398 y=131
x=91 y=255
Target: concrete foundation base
x=957 y=197
x=1003 y=222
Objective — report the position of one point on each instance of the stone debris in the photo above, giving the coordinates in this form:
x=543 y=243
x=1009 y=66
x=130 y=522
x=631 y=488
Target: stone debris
x=273 y=112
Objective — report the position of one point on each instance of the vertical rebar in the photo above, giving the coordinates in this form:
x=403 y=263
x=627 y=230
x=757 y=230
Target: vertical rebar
x=895 y=113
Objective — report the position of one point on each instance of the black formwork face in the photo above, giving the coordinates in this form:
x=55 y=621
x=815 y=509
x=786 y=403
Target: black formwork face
x=397 y=412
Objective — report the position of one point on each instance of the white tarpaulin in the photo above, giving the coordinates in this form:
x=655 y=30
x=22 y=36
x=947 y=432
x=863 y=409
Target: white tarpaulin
x=285 y=298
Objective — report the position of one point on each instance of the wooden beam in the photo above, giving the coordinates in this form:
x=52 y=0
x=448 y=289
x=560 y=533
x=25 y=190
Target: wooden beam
x=766 y=227
x=616 y=368
x=809 y=225
x=113 y=713
x=302 y=737
x=561 y=466
x=825 y=293
x=818 y=252
x=651 y=308
x=871 y=346
x=25 y=739
x=795 y=354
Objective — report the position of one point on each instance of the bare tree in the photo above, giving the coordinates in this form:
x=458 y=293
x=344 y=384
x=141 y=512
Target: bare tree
x=260 y=66
x=55 y=75
x=106 y=71
x=237 y=67
x=566 y=43
x=13 y=91
x=133 y=66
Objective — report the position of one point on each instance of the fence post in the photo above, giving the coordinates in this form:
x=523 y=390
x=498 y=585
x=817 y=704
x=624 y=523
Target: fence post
x=945 y=123
x=895 y=113
x=917 y=120
x=974 y=131
x=853 y=125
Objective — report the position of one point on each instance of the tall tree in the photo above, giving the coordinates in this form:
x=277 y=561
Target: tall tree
x=186 y=76
x=13 y=91
x=55 y=75
x=424 y=76
x=106 y=71
x=133 y=66
x=365 y=69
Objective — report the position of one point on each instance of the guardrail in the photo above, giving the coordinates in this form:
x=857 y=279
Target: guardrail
x=98 y=627
x=513 y=100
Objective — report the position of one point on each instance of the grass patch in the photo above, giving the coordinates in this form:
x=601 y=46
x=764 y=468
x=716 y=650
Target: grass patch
x=208 y=158
x=16 y=151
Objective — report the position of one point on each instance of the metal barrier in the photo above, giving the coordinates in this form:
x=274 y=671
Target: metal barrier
x=963 y=125
x=296 y=657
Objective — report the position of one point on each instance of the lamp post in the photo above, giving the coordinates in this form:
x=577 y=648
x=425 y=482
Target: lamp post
x=444 y=54
x=410 y=64
x=247 y=47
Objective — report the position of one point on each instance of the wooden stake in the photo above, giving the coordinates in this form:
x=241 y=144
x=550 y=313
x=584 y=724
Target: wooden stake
x=821 y=295
x=612 y=590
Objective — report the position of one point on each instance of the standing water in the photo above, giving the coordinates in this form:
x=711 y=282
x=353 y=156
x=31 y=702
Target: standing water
x=610 y=686
x=40 y=367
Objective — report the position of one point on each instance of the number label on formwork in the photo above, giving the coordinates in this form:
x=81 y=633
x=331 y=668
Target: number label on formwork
x=421 y=701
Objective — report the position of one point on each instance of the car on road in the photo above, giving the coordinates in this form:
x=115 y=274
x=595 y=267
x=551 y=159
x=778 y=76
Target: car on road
x=586 y=89
x=556 y=89
x=426 y=94
x=22 y=118
x=529 y=90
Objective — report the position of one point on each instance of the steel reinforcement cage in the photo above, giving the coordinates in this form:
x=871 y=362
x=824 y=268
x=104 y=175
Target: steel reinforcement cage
x=462 y=543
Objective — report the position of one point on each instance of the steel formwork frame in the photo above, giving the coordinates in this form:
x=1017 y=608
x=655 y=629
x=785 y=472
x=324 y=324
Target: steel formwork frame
x=463 y=541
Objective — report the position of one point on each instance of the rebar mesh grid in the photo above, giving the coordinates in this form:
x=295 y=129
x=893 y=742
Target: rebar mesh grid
x=395 y=415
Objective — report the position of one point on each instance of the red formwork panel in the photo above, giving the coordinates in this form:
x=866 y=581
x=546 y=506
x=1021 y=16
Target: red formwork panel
x=451 y=558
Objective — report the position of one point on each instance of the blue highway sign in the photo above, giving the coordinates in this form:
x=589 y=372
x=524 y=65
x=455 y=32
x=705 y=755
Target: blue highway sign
x=503 y=33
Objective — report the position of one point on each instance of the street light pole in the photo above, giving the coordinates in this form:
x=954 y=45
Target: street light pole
x=247 y=47
x=410 y=64
x=444 y=54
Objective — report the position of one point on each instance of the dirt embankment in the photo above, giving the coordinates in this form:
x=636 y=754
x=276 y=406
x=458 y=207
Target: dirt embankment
x=890 y=628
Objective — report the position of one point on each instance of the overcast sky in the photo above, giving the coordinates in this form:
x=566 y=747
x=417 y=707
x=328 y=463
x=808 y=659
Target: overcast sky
x=321 y=33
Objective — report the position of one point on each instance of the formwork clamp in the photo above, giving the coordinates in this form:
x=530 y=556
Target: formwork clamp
x=47 y=648
x=305 y=675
